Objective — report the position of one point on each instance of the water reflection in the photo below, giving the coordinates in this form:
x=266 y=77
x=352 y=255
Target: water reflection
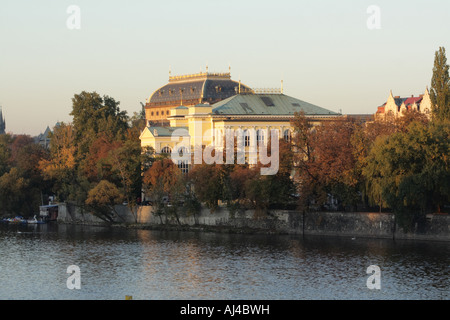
x=147 y=264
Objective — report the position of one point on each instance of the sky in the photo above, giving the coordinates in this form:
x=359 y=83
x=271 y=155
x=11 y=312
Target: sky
x=327 y=53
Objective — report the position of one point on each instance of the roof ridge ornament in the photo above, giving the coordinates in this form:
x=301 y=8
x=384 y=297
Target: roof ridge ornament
x=201 y=75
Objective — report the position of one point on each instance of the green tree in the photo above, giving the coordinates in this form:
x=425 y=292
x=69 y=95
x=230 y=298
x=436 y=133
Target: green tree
x=126 y=164
x=409 y=171
x=79 y=152
x=93 y=114
x=440 y=86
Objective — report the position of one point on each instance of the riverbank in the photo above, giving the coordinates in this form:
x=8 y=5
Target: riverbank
x=347 y=224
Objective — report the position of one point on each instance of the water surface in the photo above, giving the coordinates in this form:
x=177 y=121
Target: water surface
x=148 y=264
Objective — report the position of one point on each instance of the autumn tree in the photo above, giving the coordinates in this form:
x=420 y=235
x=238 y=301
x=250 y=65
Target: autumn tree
x=164 y=182
x=325 y=162
x=13 y=193
x=208 y=183
x=21 y=181
x=5 y=153
x=102 y=199
x=60 y=167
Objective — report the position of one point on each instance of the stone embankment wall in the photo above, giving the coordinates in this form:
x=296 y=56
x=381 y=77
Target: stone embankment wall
x=351 y=224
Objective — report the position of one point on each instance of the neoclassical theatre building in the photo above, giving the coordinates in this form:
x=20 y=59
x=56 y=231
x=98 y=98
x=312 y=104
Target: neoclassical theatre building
x=200 y=108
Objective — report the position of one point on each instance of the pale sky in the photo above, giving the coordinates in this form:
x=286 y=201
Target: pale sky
x=322 y=50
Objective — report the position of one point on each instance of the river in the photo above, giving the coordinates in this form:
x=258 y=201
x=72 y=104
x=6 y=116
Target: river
x=167 y=265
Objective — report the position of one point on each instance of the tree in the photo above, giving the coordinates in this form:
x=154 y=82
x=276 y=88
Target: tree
x=93 y=114
x=126 y=163
x=207 y=181
x=103 y=198
x=164 y=182
x=325 y=162
x=440 y=86
x=408 y=171
x=13 y=193
x=60 y=166
x=5 y=153
x=79 y=151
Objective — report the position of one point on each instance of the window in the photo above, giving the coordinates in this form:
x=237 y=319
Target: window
x=287 y=135
x=157 y=113
x=167 y=112
x=166 y=150
x=152 y=113
x=182 y=151
x=246 y=107
x=260 y=137
x=184 y=166
x=246 y=138
x=267 y=101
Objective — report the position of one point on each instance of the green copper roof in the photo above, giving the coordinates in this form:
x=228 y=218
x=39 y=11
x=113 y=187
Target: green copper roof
x=167 y=131
x=266 y=104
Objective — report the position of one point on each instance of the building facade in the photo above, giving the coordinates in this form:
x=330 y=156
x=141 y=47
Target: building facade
x=396 y=106
x=248 y=115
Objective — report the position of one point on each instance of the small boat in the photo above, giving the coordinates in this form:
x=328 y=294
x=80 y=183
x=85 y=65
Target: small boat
x=17 y=220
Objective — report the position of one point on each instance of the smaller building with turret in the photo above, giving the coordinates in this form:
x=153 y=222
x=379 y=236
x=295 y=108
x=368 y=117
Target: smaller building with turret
x=396 y=106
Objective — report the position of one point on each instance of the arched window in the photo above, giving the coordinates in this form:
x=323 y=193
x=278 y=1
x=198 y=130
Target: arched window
x=182 y=151
x=287 y=135
x=260 y=137
x=166 y=150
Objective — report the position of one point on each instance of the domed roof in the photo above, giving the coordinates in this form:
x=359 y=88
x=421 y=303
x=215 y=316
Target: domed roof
x=196 y=88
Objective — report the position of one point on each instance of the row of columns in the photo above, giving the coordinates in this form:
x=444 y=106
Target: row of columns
x=217 y=134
